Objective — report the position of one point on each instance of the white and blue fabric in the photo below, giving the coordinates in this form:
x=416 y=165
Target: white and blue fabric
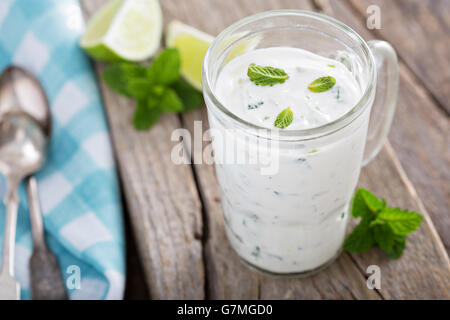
x=78 y=186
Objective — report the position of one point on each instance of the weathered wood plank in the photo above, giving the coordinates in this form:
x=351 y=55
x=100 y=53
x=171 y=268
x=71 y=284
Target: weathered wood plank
x=419 y=132
x=419 y=29
x=423 y=272
x=161 y=197
x=341 y=280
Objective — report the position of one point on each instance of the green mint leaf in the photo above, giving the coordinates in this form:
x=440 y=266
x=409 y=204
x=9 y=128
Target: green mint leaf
x=170 y=101
x=145 y=117
x=384 y=237
x=191 y=98
x=165 y=69
x=365 y=204
x=322 y=84
x=382 y=226
x=117 y=76
x=361 y=239
x=397 y=248
x=266 y=76
x=284 y=118
x=157 y=90
x=154 y=96
x=402 y=222
x=139 y=88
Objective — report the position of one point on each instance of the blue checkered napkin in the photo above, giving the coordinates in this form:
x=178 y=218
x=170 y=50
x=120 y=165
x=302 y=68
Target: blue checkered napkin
x=78 y=185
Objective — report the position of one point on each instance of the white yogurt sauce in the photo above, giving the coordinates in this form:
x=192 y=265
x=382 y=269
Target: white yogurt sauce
x=295 y=220
x=260 y=105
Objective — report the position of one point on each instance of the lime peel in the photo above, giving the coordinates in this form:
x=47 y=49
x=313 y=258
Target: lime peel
x=192 y=44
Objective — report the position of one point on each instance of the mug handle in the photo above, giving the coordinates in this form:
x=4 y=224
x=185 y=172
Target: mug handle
x=383 y=109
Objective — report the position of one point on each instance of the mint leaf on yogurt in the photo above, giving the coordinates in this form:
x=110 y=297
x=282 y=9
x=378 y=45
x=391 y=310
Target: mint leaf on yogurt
x=322 y=84
x=284 y=118
x=266 y=76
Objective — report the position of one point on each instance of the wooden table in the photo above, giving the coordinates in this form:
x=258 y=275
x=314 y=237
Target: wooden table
x=175 y=211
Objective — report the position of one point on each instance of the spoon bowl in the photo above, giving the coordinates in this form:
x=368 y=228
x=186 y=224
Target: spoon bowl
x=21 y=92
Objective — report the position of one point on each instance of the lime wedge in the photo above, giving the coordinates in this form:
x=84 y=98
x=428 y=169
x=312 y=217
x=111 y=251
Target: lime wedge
x=124 y=30
x=241 y=45
x=192 y=44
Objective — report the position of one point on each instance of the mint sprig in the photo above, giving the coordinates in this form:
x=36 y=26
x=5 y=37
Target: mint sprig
x=117 y=76
x=157 y=88
x=402 y=222
x=165 y=69
x=284 y=118
x=380 y=226
x=266 y=76
x=322 y=84
x=145 y=117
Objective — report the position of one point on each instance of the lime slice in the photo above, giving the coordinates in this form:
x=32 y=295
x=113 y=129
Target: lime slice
x=124 y=30
x=241 y=45
x=192 y=44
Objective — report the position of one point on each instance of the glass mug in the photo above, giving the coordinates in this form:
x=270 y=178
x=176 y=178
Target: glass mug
x=293 y=221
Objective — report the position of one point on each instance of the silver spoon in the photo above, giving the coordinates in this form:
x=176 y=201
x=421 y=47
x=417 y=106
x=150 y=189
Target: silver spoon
x=20 y=92
x=22 y=145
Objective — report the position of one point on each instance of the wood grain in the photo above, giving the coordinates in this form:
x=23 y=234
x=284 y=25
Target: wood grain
x=419 y=29
x=161 y=197
x=419 y=132
x=423 y=272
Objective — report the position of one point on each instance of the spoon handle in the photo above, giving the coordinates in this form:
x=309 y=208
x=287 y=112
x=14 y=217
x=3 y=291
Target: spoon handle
x=46 y=280
x=12 y=205
x=37 y=225
x=9 y=287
